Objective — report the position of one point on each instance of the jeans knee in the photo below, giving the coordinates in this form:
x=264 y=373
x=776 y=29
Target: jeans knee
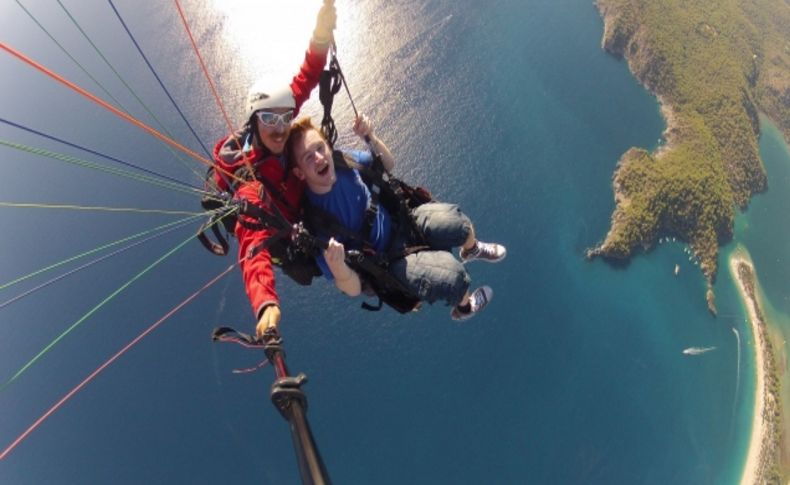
x=459 y=286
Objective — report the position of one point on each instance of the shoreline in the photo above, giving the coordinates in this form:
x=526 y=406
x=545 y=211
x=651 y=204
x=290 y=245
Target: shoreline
x=761 y=458
x=671 y=128
x=757 y=439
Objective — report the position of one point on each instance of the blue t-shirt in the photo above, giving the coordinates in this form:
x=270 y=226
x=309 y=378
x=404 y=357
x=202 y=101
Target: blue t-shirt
x=347 y=201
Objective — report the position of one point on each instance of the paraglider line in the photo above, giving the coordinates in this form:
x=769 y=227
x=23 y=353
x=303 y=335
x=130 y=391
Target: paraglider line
x=102 y=168
x=25 y=205
x=213 y=88
x=203 y=66
x=94 y=152
x=93 y=310
x=65 y=51
x=113 y=109
x=91 y=263
x=129 y=88
x=153 y=71
x=95 y=250
x=109 y=361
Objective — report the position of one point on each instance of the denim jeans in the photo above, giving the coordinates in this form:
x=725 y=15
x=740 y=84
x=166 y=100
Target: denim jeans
x=435 y=274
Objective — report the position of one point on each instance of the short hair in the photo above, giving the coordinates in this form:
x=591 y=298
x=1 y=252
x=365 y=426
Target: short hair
x=298 y=130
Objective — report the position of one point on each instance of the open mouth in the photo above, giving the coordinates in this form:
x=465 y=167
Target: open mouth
x=323 y=170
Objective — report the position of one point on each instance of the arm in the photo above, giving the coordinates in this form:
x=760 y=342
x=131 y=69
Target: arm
x=363 y=127
x=310 y=73
x=346 y=279
x=257 y=272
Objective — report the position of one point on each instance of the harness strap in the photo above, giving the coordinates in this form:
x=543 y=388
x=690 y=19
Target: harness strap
x=220 y=247
x=252 y=226
x=318 y=218
x=274 y=219
x=277 y=194
x=372 y=211
x=282 y=233
x=228 y=334
x=328 y=87
x=387 y=287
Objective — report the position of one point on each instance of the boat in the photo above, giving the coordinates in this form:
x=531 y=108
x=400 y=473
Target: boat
x=697 y=350
x=677 y=269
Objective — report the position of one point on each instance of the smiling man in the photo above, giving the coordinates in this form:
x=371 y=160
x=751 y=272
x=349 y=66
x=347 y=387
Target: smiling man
x=343 y=211
x=255 y=154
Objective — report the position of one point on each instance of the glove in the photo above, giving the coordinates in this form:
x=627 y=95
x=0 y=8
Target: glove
x=325 y=24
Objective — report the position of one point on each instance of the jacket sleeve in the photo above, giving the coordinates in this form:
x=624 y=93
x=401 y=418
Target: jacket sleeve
x=257 y=272
x=309 y=74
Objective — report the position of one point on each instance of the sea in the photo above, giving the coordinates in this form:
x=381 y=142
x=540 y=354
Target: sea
x=574 y=374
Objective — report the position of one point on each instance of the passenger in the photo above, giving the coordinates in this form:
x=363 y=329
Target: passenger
x=431 y=274
x=269 y=111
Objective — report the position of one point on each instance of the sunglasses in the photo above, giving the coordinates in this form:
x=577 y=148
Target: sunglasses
x=273 y=119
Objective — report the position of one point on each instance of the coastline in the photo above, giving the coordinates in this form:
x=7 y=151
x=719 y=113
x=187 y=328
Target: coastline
x=682 y=188
x=761 y=459
x=757 y=439
x=671 y=130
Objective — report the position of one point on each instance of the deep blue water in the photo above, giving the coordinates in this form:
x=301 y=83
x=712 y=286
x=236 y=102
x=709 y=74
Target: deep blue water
x=574 y=374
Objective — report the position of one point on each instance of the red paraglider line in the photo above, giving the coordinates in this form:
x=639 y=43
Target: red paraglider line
x=203 y=66
x=22 y=57
x=109 y=361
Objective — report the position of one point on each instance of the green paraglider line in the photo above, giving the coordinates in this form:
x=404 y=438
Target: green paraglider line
x=91 y=312
x=102 y=168
x=26 y=205
x=129 y=88
x=96 y=250
x=65 y=51
x=109 y=361
x=100 y=85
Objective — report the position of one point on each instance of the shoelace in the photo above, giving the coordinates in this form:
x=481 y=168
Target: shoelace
x=479 y=299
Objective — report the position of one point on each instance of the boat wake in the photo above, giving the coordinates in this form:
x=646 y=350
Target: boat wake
x=697 y=350
x=738 y=370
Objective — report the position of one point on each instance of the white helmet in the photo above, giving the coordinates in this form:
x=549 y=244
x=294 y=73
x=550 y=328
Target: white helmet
x=261 y=97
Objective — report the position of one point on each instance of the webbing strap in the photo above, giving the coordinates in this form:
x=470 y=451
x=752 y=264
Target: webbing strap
x=328 y=87
x=274 y=219
x=228 y=334
x=278 y=195
x=221 y=246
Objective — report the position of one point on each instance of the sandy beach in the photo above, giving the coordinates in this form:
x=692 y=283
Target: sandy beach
x=670 y=132
x=758 y=440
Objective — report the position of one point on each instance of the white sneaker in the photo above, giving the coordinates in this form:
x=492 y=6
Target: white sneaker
x=477 y=301
x=483 y=251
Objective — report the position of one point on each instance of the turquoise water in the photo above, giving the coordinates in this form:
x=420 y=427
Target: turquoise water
x=762 y=232
x=574 y=374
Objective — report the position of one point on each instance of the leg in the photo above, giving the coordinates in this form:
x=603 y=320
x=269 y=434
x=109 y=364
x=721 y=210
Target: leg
x=433 y=276
x=471 y=241
x=443 y=225
x=446 y=227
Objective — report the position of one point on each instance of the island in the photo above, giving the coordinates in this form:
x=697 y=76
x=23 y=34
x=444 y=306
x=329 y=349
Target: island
x=713 y=66
x=764 y=458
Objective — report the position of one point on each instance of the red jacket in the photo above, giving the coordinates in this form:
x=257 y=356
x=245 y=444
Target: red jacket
x=257 y=272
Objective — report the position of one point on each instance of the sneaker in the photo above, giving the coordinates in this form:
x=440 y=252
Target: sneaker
x=477 y=301
x=483 y=251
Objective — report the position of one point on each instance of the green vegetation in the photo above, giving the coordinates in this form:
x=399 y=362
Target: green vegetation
x=714 y=64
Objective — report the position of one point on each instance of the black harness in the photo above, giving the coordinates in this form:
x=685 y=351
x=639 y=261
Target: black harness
x=293 y=247
x=373 y=266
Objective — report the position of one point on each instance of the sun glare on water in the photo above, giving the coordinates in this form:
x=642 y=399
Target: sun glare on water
x=269 y=35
